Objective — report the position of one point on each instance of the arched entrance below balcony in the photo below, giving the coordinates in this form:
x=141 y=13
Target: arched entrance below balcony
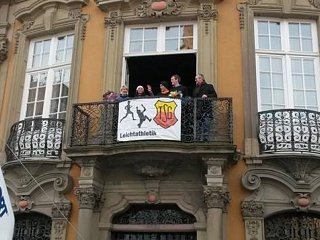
x=156 y=222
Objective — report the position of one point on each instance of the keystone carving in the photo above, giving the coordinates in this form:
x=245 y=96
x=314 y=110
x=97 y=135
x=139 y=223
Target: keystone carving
x=150 y=8
x=216 y=197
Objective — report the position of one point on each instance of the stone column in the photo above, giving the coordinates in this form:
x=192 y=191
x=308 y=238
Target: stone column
x=89 y=199
x=252 y=212
x=217 y=199
x=60 y=216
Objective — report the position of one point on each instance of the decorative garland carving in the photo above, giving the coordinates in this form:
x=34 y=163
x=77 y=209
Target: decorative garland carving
x=253 y=228
x=216 y=197
x=252 y=209
x=112 y=22
x=241 y=16
x=315 y=3
x=150 y=8
x=89 y=198
x=3 y=50
x=208 y=13
x=61 y=210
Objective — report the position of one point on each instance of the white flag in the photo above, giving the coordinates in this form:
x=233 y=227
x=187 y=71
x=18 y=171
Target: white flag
x=6 y=212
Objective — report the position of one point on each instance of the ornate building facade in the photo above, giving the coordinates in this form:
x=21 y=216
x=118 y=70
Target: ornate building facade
x=255 y=176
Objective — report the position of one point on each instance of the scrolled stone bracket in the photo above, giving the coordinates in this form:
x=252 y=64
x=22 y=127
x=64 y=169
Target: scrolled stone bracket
x=89 y=197
x=63 y=183
x=216 y=197
x=251 y=181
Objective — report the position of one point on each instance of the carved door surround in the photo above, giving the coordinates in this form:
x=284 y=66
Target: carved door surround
x=122 y=13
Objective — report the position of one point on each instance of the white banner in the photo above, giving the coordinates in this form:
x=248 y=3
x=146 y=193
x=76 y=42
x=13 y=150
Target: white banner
x=149 y=118
x=6 y=212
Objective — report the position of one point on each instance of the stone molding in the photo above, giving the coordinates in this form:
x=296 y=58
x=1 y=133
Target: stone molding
x=252 y=209
x=169 y=8
x=216 y=197
x=89 y=198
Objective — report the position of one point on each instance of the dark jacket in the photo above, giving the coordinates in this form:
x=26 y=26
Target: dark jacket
x=181 y=89
x=206 y=89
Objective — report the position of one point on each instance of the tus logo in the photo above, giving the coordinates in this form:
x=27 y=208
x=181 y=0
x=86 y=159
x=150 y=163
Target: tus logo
x=165 y=113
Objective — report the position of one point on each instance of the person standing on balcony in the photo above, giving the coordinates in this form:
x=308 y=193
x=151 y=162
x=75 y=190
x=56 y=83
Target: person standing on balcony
x=177 y=88
x=109 y=96
x=124 y=94
x=140 y=92
x=164 y=89
x=204 y=93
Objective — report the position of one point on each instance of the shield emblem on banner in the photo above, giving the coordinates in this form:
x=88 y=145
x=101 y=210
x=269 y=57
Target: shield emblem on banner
x=165 y=113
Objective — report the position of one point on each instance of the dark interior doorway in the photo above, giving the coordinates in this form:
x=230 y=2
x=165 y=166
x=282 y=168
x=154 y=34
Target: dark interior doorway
x=152 y=70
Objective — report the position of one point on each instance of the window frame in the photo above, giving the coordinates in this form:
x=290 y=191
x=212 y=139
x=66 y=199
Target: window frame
x=287 y=55
x=50 y=70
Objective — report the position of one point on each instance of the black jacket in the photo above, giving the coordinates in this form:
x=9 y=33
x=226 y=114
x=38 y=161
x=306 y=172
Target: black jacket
x=206 y=89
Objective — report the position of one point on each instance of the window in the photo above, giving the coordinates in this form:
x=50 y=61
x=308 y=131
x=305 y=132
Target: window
x=287 y=64
x=47 y=78
x=160 y=38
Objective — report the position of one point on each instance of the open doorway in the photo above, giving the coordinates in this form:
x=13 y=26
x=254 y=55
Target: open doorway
x=152 y=70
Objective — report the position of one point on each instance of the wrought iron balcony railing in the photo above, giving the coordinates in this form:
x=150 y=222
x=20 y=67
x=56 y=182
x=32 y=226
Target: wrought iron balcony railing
x=289 y=130
x=96 y=123
x=39 y=137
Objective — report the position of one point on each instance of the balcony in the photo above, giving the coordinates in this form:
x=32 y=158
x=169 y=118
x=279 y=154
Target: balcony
x=289 y=130
x=35 y=138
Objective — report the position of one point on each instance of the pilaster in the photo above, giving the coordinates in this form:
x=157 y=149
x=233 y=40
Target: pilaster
x=252 y=212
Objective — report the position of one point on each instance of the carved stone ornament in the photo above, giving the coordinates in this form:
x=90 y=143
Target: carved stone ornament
x=151 y=8
x=154 y=168
x=3 y=50
x=59 y=229
x=207 y=12
x=315 y=3
x=63 y=183
x=302 y=202
x=113 y=20
x=253 y=2
x=77 y=14
x=89 y=198
x=61 y=210
x=253 y=227
x=24 y=203
x=252 y=209
x=216 y=197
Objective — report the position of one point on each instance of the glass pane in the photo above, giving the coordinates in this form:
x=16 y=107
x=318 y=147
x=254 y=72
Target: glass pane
x=37 y=48
x=296 y=65
x=172 y=32
x=276 y=65
x=150 y=33
x=135 y=47
x=186 y=31
x=311 y=98
x=63 y=104
x=59 y=55
x=310 y=82
x=46 y=46
x=55 y=91
x=41 y=93
x=264 y=64
x=32 y=95
x=307 y=45
x=308 y=66
x=33 y=81
x=45 y=59
x=36 y=61
x=263 y=42
x=61 y=42
x=294 y=44
x=172 y=44
x=30 y=107
x=265 y=80
x=66 y=76
x=39 y=108
x=70 y=41
x=43 y=79
x=305 y=29
x=265 y=107
x=136 y=34
x=54 y=105
x=62 y=115
x=297 y=81
x=150 y=46
x=186 y=43
x=54 y=116
x=262 y=27
x=68 y=55
x=65 y=90
x=294 y=30
x=266 y=96
x=298 y=97
x=277 y=80
x=279 y=96
x=275 y=28
x=275 y=43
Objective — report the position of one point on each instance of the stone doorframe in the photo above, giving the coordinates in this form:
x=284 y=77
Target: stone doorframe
x=121 y=13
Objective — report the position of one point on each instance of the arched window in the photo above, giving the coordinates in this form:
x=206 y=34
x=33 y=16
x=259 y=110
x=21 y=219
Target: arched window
x=154 y=222
x=292 y=226
x=32 y=226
